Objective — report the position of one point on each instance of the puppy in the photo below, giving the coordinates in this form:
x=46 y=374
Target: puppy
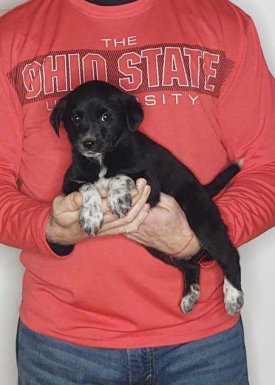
x=102 y=123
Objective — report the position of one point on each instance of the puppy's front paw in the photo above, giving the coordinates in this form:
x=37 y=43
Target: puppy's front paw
x=233 y=298
x=90 y=214
x=120 y=203
x=190 y=299
x=90 y=219
x=119 y=195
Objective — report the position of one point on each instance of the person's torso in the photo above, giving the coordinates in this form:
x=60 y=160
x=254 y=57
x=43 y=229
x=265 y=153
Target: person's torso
x=173 y=57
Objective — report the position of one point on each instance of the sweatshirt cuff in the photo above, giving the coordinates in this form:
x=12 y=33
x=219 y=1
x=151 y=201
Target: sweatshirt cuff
x=48 y=248
x=61 y=250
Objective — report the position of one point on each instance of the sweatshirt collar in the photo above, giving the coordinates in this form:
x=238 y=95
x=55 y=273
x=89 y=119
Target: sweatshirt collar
x=112 y=12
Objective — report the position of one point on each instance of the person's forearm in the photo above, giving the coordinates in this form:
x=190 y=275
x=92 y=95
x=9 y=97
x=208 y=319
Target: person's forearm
x=22 y=219
x=248 y=205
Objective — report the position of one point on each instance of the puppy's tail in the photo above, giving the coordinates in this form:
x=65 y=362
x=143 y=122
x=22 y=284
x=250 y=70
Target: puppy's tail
x=223 y=178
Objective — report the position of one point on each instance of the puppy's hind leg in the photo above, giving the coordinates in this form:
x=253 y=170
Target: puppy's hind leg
x=233 y=298
x=204 y=219
x=233 y=295
x=191 y=290
x=191 y=275
x=228 y=259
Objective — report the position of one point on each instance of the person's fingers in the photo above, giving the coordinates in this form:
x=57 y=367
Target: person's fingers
x=133 y=226
x=104 y=206
x=130 y=217
x=139 y=205
x=71 y=202
x=141 y=183
x=136 y=193
x=65 y=209
x=122 y=226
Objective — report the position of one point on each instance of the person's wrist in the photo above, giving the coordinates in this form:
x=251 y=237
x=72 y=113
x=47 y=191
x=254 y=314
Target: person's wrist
x=54 y=233
x=50 y=231
x=190 y=248
x=53 y=240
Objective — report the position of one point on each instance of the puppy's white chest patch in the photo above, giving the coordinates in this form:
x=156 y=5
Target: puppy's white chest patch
x=103 y=171
x=102 y=182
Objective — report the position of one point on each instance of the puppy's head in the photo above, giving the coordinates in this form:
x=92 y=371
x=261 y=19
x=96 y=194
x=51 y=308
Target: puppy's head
x=96 y=116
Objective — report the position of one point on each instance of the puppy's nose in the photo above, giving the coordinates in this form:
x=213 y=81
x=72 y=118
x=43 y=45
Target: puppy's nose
x=89 y=144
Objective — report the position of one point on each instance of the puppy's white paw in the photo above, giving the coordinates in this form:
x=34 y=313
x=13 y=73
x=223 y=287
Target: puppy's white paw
x=90 y=221
x=190 y=299
x=233 y=298
x=119 y=194
x=90 y=214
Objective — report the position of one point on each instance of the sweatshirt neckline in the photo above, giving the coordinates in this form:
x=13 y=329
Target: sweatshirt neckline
x=111 y=11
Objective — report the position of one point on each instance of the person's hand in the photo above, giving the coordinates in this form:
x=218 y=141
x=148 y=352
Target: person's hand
x=63 y=225
x=166 y=229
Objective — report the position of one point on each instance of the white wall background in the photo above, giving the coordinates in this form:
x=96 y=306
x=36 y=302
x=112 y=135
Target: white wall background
x=258 y=260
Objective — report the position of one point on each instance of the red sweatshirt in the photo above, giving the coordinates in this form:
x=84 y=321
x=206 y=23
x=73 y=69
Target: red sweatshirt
x=198 y=70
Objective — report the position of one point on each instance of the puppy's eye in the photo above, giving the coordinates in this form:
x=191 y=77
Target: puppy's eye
x=75 y=118
x=105 y=117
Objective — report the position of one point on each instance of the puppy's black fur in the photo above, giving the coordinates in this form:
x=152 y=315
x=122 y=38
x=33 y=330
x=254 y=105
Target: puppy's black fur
x=102 y=120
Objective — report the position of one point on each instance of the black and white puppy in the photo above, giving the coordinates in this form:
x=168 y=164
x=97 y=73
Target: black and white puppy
x=102 y=123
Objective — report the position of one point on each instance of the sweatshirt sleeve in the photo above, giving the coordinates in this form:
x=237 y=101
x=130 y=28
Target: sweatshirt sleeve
x=246 y=116
x=22 y=219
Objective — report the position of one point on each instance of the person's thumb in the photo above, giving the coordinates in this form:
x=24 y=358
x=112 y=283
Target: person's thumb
x=73 y=201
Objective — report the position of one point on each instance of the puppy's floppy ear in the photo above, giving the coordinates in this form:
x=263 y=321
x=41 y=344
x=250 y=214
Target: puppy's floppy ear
x=134 y=113
x=57 y=114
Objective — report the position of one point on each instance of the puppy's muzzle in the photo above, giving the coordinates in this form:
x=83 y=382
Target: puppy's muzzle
x=89 y=144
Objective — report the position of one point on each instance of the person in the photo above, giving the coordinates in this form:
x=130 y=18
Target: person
x=102 y=310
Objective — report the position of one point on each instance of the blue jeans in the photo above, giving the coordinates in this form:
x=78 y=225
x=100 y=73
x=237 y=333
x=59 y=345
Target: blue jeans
x=216 y=360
